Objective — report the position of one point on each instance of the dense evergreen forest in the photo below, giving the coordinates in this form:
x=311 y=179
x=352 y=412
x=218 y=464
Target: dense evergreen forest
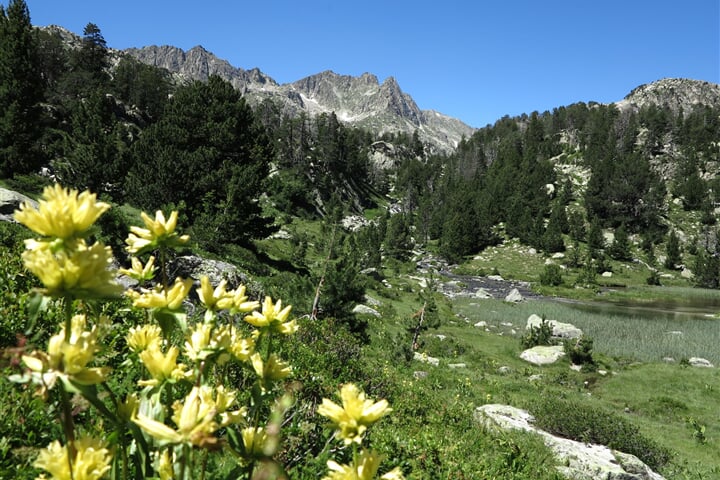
x=92 y=120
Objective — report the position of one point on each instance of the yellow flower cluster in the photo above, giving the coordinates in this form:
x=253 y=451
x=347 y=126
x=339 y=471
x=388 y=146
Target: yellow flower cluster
x=162 y=298
x=61 y=213
x=140 y=272
x=90 y=462
x=62 y=260
x=363 y=468
x=197 y=418
x=219 y=298
x=356 y=413
x=351 y=420
x=158 y=233
x=273 y=318
x=206 y=340
x=67 y=358
x=78 y=271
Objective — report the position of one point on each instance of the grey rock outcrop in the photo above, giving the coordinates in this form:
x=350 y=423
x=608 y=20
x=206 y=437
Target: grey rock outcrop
x=193 y=266
x=579 y=460
x=543 y=354
x=11 y=201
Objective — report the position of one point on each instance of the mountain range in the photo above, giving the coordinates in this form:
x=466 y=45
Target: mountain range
x=358 y=101
x=381 y=107
x=364 y=101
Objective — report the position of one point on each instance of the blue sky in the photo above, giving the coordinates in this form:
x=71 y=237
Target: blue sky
x=475 y=60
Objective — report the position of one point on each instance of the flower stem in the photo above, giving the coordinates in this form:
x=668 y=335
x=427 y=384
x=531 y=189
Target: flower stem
x=68 y=426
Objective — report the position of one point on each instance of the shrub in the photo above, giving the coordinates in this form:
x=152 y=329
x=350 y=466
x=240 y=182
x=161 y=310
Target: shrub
x=551 y=275
x=587 y=423
x=580 y=351
x=538 y=335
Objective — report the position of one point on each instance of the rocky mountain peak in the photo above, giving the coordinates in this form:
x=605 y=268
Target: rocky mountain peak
x=675 y=93
x=358 y=101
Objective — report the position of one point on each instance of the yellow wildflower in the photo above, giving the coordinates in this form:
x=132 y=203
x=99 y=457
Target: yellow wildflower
x=161 y=366
x=209 y=296
x=356 y=413
x=91 y=461
x=272 y=370
x=255 y=441
x=242 y=348
x=160 y=297
x=68 y=359
x=240 y=303
x=144 y=337
x=140 y=272
x=158 y=233
x=77 y=272
x=197 y=345
x=164 y=465
x=61 y=213
x=363 y=468
x=273 y=317
x=194 y=418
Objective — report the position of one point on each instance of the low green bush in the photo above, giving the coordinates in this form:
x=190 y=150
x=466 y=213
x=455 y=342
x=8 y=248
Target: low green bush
x=587 y=423
x=538 y=335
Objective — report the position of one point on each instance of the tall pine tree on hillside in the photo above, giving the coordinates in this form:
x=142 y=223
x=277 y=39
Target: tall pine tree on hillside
x=20 y=92
x=210 y=155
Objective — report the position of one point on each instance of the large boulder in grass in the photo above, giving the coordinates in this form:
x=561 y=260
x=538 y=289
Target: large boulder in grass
x=577 y=460
x=543 y=354
x=11 y=201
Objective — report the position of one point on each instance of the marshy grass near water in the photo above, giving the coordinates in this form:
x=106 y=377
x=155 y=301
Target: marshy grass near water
x=642 y=335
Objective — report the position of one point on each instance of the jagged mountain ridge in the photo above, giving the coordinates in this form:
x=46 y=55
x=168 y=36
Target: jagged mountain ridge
x=358 y=101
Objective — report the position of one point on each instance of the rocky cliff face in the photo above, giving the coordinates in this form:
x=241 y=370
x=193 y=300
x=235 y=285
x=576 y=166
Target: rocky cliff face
x=358 y=101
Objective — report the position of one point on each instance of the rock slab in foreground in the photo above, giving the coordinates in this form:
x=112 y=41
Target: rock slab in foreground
x=579 y=460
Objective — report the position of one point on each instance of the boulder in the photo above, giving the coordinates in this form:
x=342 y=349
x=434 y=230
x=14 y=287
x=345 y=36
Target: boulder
x=700 y=362
x=560 y=329
x=454 y=366
x=482 y=293
x=193 y=266
x=365 y=310
x=543 y=354
x=577 y=460
x=11 y=201
x=481 y=324
x=423 y=357
x=514 y=296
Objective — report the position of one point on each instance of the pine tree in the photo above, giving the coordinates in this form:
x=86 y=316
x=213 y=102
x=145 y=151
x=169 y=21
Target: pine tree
x=209 y=154
x=398 y=240
x=20 y=92
x=672 y=251
x=620 y=247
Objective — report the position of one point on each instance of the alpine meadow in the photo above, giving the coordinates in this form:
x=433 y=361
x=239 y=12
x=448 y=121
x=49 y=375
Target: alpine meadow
x=206 y=274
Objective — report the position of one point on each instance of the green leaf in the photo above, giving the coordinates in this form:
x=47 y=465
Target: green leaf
x=37 y=304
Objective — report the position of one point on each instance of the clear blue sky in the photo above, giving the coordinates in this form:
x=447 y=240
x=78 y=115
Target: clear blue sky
x=476 y=60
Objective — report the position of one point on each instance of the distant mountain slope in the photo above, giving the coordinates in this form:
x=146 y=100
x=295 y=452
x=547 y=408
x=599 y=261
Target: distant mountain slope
x=359 y=101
